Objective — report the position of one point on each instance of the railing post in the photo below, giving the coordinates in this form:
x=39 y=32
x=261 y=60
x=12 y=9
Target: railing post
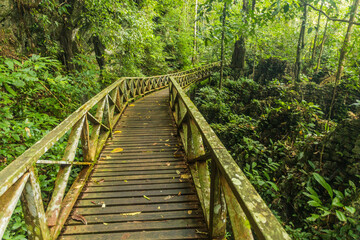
x=239 y=223
x=33 y=209
x=195 y=148
x=218 y=210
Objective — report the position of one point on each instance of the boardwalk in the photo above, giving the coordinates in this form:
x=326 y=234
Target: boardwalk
x=141 y=187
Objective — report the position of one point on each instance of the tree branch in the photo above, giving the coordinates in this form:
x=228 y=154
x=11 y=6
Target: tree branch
x=330 y=18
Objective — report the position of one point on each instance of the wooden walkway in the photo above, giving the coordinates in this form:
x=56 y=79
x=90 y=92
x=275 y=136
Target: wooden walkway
x=141 y=187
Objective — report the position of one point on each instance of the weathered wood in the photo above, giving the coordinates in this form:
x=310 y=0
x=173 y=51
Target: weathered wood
x=262 y=221
x=186 y=233
x=85 y=141
x=62 y=162
x=218 y=211
x=134 y=184
x=62 y=178
x=9 y=200
x=240 y=225
x=69 y=200
x=33 y=209
x=134 y=226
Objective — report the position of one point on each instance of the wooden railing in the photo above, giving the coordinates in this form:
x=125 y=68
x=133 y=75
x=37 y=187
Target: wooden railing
x=222 y=188
x=19 y=179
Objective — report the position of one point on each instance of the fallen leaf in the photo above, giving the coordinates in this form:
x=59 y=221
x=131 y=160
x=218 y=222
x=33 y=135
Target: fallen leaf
x=130 y=214
x=185 y=176
x=168 y=197
x=167 y=145
x=103 y=205
x=167 y=140
x=168 y=164
x=154 y=144
x=190 y=212
x=101 y=180
x=107 y=157
x=125 y=180
x=179 y=193
x=158 y=207
x=178 y=172
x=118 y=132
x=93 y=202
x=146 y=197
x=116 y=150
x=124 y=161
x=28 y=133
x=132 y=105
x=105 y=223
x=125 y=236
x=79 y=217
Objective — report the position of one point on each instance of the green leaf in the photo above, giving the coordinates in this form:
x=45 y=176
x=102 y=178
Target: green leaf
x=313 y=217
x=350 y=209
x=313 y=195
x=314 y=203
x=323 y=183
x=10 y=90
x=336 y=202
x=9 y=63
x=341 y=216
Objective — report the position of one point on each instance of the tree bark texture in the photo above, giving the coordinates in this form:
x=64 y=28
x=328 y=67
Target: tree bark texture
x=238 y=57
x=300 y=45
x=222 y=46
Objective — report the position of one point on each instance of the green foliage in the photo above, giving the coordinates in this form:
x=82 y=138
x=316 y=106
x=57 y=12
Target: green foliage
x=276 y=138
x=35 y=97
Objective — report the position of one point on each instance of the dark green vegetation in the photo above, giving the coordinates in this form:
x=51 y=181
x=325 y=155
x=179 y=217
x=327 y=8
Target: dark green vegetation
x=288 y=110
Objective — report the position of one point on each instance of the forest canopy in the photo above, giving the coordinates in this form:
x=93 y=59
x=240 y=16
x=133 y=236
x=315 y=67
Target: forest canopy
x=285 y=101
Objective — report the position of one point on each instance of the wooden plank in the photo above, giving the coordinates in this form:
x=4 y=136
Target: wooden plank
x=138 y=187
x=150 y=193
x=137 y=200
x=9 y=200
x=189 y=233
x=135 y=173
x=136 y=182
x=140 y=167
x=134 y=226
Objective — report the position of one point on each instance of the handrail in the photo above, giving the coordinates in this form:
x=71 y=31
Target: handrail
x=19 y=179
x=225 y=188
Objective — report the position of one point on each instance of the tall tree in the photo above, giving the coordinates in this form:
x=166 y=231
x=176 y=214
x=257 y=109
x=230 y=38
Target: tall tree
x=343 y=51
x=238 y=57
x=301 y=44
x=316 y=33
x=195 y=25
x=345 y=45
x=222 y=45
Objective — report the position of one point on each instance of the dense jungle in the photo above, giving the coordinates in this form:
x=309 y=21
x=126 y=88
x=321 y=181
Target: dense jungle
x=285 y=101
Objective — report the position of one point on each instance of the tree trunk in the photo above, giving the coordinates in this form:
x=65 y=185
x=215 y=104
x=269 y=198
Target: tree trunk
x=222 y=46
x=343 y=50
x=194 y=52
x=99 y=52
x=300 y=46
x=316 y=33
x=66 y=36
x=322 y=46
x=67 y=46
x=238 y=57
